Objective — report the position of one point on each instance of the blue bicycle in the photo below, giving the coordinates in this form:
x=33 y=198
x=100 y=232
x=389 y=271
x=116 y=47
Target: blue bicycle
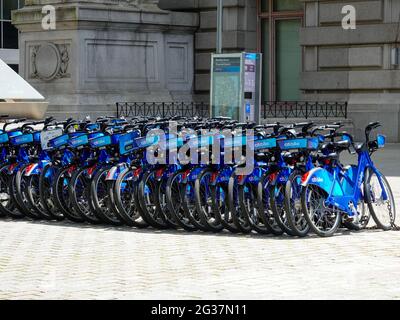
x=329 y=198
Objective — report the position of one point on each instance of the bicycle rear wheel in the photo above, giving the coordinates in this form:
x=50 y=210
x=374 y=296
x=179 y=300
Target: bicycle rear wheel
x=295 y=217
x=323 y=220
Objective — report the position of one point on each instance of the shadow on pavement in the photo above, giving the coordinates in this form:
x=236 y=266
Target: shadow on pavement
x=341 y=232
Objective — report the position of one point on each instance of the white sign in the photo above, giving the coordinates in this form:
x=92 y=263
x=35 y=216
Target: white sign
x=46 y=136
x=14 y=87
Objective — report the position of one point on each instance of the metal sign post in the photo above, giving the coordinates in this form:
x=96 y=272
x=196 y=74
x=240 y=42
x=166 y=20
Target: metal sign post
x=220 y=24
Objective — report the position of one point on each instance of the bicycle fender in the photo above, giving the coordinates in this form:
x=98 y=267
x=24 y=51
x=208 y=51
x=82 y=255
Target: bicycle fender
x=115 y=171
x=221 y=176
x=192 y=174
x=253 y=178
x=324 y=180
x=13 y=168
x=281 y=177
x=32 y=169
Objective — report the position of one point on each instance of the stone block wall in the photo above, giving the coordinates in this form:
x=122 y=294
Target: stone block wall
x=354 y=65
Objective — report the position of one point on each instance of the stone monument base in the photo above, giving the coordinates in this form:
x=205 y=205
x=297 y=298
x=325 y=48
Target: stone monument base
x=103 y=52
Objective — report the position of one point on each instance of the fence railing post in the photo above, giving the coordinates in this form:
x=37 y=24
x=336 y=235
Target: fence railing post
x=307 y=109
x=326 y=110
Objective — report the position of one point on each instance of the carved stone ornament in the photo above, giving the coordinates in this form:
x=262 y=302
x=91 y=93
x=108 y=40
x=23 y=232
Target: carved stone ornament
x=49 y=61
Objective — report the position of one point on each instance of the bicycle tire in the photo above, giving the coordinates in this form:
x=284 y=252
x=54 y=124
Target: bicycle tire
x=126 y=204
x=82 y=207
x=61 y=182
x=294 y=213
x=175 y=202
x=370 y=201
x=207 y=215
x=47 y=195
x=100 y=203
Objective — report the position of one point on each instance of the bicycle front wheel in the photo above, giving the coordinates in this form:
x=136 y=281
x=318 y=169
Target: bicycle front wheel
x=294 y=213
x=205 y=204
x=124 y=201
x=380 y=200
x=79 y=193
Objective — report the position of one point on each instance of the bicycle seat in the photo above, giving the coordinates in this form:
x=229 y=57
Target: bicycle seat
x=331 y=156
x=287 y=155
x=359 y=146
x=260 y=156
x=342 y=145
x=373 y=125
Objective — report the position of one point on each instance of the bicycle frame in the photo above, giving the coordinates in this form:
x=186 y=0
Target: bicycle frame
x=344 y=189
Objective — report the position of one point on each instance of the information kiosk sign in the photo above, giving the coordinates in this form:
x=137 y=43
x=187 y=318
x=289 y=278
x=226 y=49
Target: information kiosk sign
x=235 y=86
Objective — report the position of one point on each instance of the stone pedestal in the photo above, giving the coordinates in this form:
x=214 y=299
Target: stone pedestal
x=105 y=51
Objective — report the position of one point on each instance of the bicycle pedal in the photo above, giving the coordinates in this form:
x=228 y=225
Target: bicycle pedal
x=348 y=219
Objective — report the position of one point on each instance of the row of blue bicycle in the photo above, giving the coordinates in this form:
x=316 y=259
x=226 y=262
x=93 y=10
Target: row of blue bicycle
x=99 y=172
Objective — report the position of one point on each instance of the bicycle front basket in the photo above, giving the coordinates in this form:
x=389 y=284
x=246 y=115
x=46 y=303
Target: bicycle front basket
x=24 y=139
x=59 y=141
x=78 y=141
x=3 y=138
x=100 y=142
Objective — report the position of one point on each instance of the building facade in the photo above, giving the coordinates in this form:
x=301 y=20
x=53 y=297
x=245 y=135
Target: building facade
x=8 y=33
x=121 y=50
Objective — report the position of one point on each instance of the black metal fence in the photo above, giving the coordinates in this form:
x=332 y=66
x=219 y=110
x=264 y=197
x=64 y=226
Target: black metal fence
x=163 y=109
x=269 y=110
x=303 y=109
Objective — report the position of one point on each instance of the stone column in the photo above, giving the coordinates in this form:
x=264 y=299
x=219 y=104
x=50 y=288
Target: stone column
x=104 y=51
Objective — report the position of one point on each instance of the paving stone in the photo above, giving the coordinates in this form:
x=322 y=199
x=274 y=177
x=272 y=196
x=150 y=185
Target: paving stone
x=45 y=260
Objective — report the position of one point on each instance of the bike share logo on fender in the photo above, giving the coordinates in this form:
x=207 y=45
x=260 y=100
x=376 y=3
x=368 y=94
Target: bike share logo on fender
x=292 y=145
x=317 y=180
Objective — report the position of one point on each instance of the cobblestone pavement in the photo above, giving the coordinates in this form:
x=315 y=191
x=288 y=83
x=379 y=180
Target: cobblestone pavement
x=61 y=260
